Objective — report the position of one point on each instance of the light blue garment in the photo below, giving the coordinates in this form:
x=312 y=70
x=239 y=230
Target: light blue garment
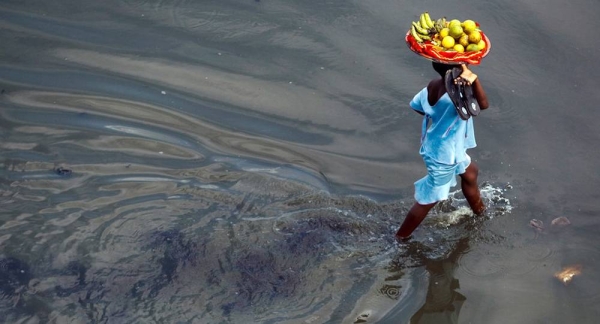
x=435 y=186
x=445 y=138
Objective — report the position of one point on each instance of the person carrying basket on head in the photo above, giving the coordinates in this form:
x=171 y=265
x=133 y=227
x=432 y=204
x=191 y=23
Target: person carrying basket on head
x=445 y=139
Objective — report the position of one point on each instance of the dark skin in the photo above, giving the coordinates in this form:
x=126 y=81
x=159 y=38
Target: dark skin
x=436 y=89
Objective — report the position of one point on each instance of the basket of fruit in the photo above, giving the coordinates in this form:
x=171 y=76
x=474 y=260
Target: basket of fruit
x=450 y=42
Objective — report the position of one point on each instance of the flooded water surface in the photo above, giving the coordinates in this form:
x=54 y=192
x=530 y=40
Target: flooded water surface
x=246 y=161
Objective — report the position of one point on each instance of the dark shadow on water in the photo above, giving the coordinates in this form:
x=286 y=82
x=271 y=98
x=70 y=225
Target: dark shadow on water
x=14 y=274
x=443 y=302
x=15 y=299
x=174 y=251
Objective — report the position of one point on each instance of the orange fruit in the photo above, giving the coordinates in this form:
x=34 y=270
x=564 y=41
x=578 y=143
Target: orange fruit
x=472 y=48
x=469 y=26
x=444 y=32
x=464 y=40
x=454 y=22
x=481 y=44
x=448 y=42
x=455 y=31
x=474 y=37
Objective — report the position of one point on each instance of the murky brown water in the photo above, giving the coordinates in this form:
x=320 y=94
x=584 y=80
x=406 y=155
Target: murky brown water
x=249 y=161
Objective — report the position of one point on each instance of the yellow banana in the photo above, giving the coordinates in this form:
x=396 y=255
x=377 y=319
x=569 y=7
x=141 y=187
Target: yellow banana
x=420 y=29
x=423 y=21
x=413 y=32
x=428 y=20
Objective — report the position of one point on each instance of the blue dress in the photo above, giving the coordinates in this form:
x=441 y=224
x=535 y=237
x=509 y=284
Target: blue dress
x=445 y=138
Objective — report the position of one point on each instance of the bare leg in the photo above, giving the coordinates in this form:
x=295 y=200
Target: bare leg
x=471 y=189
x=414 y=217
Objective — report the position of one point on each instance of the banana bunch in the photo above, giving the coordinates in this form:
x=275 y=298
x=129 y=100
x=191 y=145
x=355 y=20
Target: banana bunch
x=425 y=28
x=422 y=29
x=440 y=24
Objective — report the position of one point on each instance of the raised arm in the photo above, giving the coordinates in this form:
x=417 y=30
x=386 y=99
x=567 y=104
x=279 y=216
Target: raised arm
x=478 y=91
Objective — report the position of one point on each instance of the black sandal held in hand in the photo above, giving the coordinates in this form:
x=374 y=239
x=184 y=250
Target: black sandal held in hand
x=471 y=102
x=461 y=94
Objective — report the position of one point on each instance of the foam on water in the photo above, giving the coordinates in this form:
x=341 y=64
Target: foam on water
x=455 y=209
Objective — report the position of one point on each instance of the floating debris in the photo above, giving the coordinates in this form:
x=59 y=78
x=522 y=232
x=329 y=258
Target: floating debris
x=567 y=273
x=537 y=224
x=62 y=171
x=561 y=221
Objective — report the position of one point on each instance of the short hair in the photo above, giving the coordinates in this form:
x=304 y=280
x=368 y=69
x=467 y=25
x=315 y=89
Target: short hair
x=441 y=68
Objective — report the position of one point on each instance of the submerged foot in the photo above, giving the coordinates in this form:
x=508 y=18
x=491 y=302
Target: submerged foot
x=479 y=209
x=481 y=212
x=403 y=239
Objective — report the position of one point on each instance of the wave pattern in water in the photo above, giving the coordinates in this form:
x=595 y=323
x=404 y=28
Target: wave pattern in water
x=120 y=236
x=206 y=161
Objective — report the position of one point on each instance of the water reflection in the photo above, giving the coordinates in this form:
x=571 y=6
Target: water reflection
x=444 y=301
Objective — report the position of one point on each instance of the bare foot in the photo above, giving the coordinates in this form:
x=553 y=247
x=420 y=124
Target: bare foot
x=401 y=239
x=480 y=211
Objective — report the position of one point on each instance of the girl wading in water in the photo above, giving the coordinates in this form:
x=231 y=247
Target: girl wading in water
x=444 y=145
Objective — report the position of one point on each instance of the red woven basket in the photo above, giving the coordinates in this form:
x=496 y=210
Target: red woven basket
x=428 y=51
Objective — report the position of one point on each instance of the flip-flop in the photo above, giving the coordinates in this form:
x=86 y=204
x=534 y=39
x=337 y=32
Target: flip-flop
x=471 y=102
x=466 y=93
x=455 y=93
